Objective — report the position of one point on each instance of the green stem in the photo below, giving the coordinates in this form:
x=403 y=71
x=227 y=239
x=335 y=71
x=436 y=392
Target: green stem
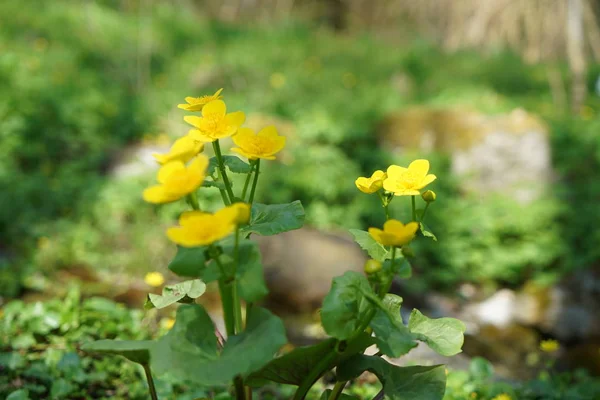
x=414 y=208
x=318 y=370
x=255 y=182
x=247 y=180
x=240 y=391
x=150 y=380
x=237 y=305
x=221 y=168
x=337 y=390
x=424 y=212
x=193 y=200
x=385 y=205
x=227 y=298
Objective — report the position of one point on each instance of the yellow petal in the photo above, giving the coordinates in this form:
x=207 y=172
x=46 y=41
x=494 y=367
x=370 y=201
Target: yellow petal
x=180 y=236
x=393 y=226
x=277 y=144
x=363 y=184
x=427 y=180
x=190 y=218
x=217 y=93
x=199 y=164
x=243 y=136
x=235 y=118
x=190 y=100
x=395 y=171
x=156 y=195
x=379 y=174
x=168 y=169
x=419 y=167
x=183 y=106
x=215 y=107
x=269 y=131
x=193 y=120
x=199 y=136
x=243 y=153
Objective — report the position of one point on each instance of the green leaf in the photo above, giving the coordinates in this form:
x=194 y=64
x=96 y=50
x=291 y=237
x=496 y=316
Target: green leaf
x=402 y=268
x=21 y=394
x=249 y=275
x=133 y=350
x=188 y=262
x=399 y=383
x=375 y=250
x=346 y=306
x=171 y=294
x=443 y=335
x=426 y=232
x=267 y=220
x=218 y=185
x=391 y=336
x=189 y=351
x=293 y=367
x=235 y=165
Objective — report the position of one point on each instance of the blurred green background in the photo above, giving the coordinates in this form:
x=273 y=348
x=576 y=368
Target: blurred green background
x=89 y=87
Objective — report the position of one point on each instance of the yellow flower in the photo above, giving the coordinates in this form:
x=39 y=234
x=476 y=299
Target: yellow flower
x=167 y=323
x=198 y=228
x=394 y=233
x=372 y=184
x=154 y=279
x=184 y=149
x=215 y=123
x=197 y=103
x=408 y=181
x=265 y=144
x=549 y=346
x=176 y=180
x=502 y=396
x=239 y=213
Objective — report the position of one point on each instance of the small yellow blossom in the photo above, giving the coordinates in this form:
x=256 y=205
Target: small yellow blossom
x=408 y=181
x=240 y=213
x=198 y=228
x=429 y=196
x=197 y=103
x=183 y=149
x=215 y=123
x=372 y=266
x=265 y=144
x=394 y=233
x=176 y=180
x=502 y=396
x=372 y=184
x=154 y=279
x=167 y=323
x=549 y=346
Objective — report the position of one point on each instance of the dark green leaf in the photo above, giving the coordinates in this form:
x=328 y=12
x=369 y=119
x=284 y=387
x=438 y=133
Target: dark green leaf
x=188 y=262
x=267 y=220
x=391 y=336
x=171 y=294
x=61 y=388
x=375 y=250
x=426 y=232
x=443 y=335
x=134 y=350
x=346 y=305
x=402 y=268
x=293 y=367
x=235 y=165
x=399 y=383
x=189 y=351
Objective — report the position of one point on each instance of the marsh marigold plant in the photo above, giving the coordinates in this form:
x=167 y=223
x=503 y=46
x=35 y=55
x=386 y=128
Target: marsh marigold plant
x=214 y=245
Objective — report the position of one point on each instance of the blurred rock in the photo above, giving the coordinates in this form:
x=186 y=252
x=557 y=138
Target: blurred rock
x=506 y=153
x=299 y=266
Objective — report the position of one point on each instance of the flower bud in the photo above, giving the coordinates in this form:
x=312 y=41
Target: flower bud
x=429 y=196
x=372 y=266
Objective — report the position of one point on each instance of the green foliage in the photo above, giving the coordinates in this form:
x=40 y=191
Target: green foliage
x=137 y=351
x=444 y=335
x=184 y=291
x=190 y=349
x=399 y=383
x=346 y=307
x=267 y=220
x=39 y=353
x=375 y=250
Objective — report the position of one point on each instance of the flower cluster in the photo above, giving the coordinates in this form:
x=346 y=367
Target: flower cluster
x=184 y=169
x=398 y=181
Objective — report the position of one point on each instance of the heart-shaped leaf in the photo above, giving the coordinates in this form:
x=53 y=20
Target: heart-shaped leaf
x=443 y=335
x=173 y=293
x=267 y=220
